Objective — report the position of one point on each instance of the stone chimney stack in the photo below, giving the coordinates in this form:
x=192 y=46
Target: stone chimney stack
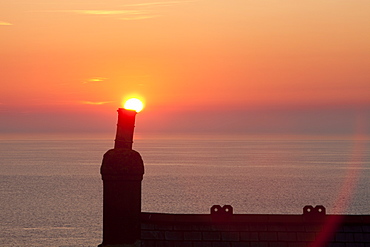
x=125 y=128
x=122 y=171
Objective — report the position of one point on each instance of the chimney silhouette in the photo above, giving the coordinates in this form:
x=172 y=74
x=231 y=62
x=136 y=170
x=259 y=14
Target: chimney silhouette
x=125 y=128
x=122 y=171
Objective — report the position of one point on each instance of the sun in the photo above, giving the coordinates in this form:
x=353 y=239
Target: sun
x=134 y=104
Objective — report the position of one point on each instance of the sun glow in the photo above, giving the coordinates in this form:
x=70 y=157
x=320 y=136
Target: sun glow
x=134 y=104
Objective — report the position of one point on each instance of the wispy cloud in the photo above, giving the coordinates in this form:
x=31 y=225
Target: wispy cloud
x=105 y=12
x=95 y=79
x=129 y=14
x=95 y=102
x=138 y=11
x=4 y=23
x=169 y=3
x=138 y=17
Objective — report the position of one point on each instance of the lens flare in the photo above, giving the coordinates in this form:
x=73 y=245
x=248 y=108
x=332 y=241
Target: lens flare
x=134 y=104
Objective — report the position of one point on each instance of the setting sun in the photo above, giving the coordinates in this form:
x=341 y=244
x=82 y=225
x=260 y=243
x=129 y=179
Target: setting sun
x=134 y=104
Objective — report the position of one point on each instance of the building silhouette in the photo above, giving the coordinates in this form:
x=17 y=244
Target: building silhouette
x=125 y=225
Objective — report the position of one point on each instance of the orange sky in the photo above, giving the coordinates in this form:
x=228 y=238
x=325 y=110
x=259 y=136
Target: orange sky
x=77 y=60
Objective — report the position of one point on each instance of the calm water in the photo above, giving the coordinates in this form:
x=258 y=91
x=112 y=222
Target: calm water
x=51 y=191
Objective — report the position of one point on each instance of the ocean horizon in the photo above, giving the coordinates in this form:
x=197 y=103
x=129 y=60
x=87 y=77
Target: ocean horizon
x=51 y=188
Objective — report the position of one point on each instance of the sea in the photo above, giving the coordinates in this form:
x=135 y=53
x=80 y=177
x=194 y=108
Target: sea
x=51 y=189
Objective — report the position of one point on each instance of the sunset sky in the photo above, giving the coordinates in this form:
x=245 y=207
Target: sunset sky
x=201 y=66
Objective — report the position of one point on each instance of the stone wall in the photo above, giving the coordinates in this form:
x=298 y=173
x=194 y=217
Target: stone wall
x=222 y=228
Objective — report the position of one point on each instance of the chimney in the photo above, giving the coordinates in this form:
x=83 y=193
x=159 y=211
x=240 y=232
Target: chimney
x=125 y=128
x=122 y=171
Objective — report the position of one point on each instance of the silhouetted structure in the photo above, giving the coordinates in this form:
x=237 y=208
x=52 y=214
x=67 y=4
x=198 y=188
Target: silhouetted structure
x=122 y=172
x=125 y=225
x=222 y=228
